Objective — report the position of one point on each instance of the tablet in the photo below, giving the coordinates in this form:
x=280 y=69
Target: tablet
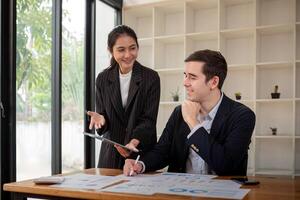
x=103 y=139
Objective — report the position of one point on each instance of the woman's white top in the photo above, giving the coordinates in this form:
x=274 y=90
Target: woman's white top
x=124 y=86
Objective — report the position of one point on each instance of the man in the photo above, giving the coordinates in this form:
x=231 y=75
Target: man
x=209 y=133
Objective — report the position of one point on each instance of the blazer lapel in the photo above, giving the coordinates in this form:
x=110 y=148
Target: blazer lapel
x=134 y=83
x=220 y=116
x=115 y=95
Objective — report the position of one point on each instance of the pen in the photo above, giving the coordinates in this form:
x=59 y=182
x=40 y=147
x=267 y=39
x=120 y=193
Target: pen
x=136 y=160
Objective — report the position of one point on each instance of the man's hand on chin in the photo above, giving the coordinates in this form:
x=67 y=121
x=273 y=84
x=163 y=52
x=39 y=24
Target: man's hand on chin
x=190 y=110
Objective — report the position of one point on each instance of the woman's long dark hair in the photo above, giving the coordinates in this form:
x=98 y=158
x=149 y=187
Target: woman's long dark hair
x=118 y=31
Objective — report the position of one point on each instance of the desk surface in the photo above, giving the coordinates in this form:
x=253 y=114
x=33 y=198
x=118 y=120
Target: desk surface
x=269 y=188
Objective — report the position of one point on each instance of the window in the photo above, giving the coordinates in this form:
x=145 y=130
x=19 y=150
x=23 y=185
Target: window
x=33 y=88
x=72 y=84
x=106 y=18
x=26 y=83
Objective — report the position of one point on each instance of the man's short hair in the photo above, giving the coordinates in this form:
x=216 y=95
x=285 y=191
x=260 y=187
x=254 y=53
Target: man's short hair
x=214 y=64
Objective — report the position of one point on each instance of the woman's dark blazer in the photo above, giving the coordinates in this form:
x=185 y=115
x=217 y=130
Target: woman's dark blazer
x=137 y=120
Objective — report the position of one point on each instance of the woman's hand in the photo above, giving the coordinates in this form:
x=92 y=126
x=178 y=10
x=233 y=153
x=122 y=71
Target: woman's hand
x=131 y=145
x=97 y=120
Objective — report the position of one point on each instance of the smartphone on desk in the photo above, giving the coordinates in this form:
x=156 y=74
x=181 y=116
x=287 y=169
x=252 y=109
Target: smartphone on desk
x=245 y=181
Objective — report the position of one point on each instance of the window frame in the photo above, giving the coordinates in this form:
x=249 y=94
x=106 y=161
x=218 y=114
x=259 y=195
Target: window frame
x=89 y=82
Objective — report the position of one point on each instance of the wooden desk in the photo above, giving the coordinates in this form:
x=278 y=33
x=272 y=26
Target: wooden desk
x=269 y=188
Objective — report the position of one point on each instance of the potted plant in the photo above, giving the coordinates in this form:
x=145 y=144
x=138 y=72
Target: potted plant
x=275 y=94
x=274 y=130
x=238 y=95
x=175 y=94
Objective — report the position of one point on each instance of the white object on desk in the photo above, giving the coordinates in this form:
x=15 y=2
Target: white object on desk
x=49 y=180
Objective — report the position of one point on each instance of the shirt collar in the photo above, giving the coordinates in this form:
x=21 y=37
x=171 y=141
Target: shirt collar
x=125 y=75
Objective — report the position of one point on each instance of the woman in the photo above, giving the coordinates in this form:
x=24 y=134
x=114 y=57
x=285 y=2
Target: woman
x=127 y=100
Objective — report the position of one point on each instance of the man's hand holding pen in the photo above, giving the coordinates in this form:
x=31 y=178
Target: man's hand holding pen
x=132 y=167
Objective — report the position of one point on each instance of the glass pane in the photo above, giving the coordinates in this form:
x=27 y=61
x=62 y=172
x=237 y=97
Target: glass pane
x=72 y=84
x=33 y=86
x=105 y=22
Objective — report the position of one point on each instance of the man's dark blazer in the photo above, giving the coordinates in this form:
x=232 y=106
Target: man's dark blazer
x=137 y=120
x=225 y=149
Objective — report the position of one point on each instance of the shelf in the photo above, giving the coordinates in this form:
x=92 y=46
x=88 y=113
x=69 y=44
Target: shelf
x=201 y=16
x=245 y=101
x=169 y=52
x=171 y=71
x=268 y=47
x=274 y=100
x=273 y=29
x=237 y=14
x=145 y=56
x=274 y=172
x=274 y=157
x=279 y=116
x=297 y=118
x=240 y=67
x=238 y=32
x=298 y=11
x=267 y=77
x=245 y=78
x=271 y=12
x=145 y=40
x=250 y=171
x=170 y=38
x=280 y=64
x=288 y=136
x=194 y=42
x=238 y=42
x=140 y=20
x=297 y=157
x=169 y=84
x=164 y=114
x=169 y=19
x=298 y=42
x=297 y=76
x=250 y=168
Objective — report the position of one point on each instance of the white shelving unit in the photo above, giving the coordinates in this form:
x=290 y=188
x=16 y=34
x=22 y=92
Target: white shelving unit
x=169 y=52
x=240 y=42
x=261 y=42
x=146 y=52
x=245 y=78
x=230 y=9
x=197 y=15
x=207 y=40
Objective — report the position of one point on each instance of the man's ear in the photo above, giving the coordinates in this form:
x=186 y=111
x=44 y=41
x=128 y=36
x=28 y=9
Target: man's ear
x=214 y=82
